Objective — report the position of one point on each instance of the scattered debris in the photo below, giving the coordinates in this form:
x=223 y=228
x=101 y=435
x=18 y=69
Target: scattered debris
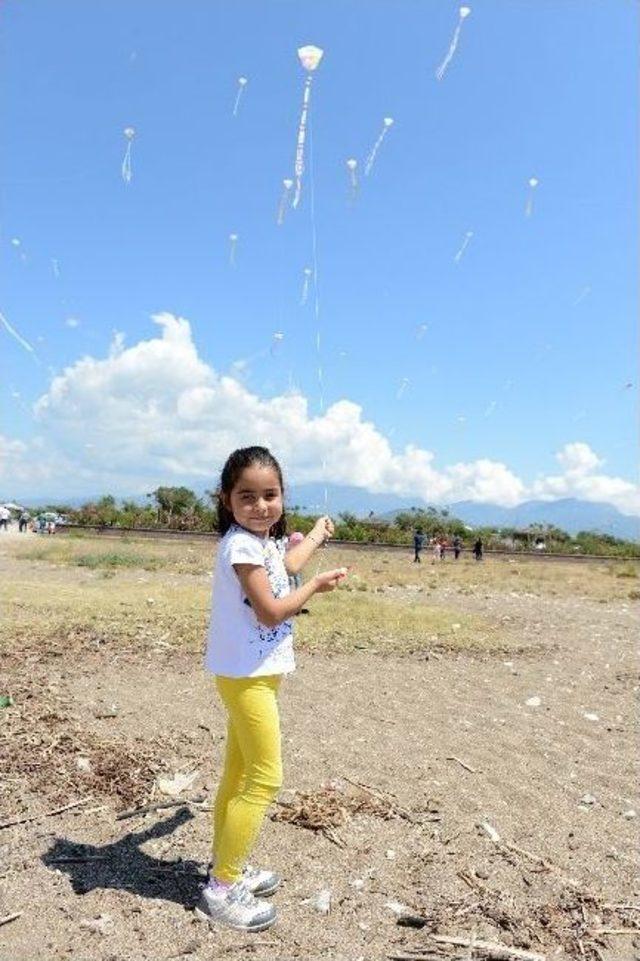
x=177 y=784
x=320 y=902
x=45 y=814
x=534 y=701
x=333 y=805
x=490 y=831
x=103 y=924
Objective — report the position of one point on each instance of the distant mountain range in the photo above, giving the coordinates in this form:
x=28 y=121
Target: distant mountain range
x=569 y=514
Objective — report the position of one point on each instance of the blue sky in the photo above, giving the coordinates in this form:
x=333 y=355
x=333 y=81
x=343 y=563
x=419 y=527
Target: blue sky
x=530 y=338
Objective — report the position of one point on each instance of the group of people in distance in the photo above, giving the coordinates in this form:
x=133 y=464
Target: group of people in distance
x=439 y=546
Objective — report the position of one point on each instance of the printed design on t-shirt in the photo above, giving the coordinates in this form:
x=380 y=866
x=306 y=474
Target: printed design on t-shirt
x=279 y=583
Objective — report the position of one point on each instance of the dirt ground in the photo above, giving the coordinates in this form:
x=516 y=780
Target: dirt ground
x=443 y=739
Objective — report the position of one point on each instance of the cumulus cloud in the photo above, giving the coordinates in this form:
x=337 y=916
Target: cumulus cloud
x=579 y=479
x=155 y=412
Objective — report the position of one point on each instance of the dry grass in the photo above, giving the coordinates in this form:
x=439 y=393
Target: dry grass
x=131 y=593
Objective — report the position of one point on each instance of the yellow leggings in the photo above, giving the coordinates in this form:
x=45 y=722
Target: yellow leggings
x=252 y=773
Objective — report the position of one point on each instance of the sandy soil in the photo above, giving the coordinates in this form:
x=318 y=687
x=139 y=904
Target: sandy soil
x=548 y=779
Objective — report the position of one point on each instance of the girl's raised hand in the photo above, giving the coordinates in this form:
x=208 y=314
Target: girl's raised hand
x=329 y=580
x=324 y=528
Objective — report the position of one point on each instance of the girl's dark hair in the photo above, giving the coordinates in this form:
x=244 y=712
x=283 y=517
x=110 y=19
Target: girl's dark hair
x=237 y=462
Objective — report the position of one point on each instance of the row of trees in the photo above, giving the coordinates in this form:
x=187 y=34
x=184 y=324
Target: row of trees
x=179 y=508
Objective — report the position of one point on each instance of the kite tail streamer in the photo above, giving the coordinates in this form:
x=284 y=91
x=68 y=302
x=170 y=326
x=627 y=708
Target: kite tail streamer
x=126 y=165
x=442 y=69
x=371 y=159
x=16 y=336
x=302 y=136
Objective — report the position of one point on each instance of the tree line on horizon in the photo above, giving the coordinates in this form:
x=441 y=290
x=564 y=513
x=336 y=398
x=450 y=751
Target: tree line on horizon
x=181 y=509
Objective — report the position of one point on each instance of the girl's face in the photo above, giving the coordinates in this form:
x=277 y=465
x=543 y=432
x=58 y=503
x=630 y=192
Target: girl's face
x=256 y=499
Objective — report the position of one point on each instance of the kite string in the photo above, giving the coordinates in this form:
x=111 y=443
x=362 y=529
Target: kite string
x=316 y=305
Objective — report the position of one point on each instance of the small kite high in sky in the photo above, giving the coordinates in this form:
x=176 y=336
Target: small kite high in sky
x=285 y=196
x=307 y=273
x=127 y=173
x=404 y=383
x=533 y=183
x=465 y=244
x=463 y=13
x=310 y=58
x=233 y=243
x=352 y=167
x=387 y=124
x=242 y=83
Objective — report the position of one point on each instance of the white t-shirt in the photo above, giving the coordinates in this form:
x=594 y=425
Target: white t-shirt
x=238 y=644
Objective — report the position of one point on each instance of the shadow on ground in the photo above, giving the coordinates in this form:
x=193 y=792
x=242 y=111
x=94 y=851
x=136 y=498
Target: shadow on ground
x=122 y=865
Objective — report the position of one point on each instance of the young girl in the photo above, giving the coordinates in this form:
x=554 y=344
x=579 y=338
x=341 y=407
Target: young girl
x=249 y=649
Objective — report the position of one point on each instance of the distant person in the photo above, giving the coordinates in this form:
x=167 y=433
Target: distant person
x=23 y=523
x=477 y=549
x=418 y=544
x=249 y=649
x=437 y=550
x=5 y=517
x=444 y=543
x=457 y=546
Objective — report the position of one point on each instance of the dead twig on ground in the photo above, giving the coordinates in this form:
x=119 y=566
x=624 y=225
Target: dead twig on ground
x=44 y=814
x=10 y=917
x=490 y=949
x=462 y=763
x=158 y=806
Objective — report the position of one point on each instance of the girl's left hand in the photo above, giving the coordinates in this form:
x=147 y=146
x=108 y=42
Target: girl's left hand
x=323 y=528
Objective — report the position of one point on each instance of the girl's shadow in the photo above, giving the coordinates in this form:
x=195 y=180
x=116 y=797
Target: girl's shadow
x=123 y=866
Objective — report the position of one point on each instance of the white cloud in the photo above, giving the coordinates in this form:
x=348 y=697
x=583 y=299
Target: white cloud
x=578 y=479
x=155 y=412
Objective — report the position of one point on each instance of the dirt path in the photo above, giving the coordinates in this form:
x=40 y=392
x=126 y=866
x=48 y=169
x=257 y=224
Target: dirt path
x=547 y=778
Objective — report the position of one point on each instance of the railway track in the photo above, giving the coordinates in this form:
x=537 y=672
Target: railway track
x=154 y=533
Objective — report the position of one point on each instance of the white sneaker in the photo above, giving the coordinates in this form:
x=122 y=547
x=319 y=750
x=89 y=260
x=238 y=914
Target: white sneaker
x=236 y=907
x=260 y=881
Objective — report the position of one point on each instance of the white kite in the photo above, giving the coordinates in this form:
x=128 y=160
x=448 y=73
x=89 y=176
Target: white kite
x=233 y=242
x=56 y=268
x=127 y=173
x=310 y=58
x=404 y=383
x=276 y=340
x=387 y=124
x=463 y=13
x=581 y=296
x=285 y=197
x=421 y=331
x=16 y=243
x=465 y=244
x=352 y=167
x=533 y=183
x=307 y=274
x=242 y=83
x=14 y=333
